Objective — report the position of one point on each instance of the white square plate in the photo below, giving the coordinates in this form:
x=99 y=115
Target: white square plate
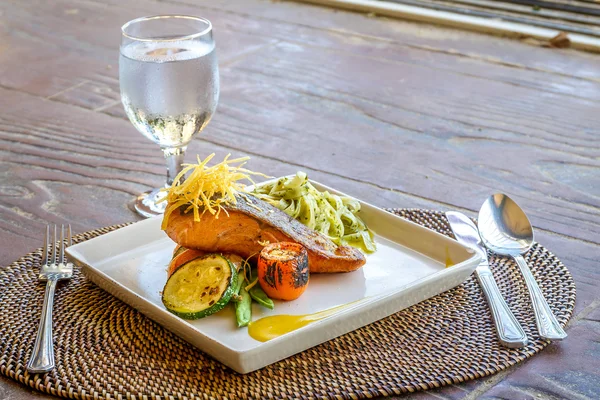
x=408 y=267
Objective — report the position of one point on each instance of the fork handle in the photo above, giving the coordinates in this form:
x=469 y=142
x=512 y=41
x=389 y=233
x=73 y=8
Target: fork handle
x=42 y=358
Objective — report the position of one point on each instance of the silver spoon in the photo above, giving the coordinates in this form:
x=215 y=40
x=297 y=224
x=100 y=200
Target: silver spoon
x=506 y=230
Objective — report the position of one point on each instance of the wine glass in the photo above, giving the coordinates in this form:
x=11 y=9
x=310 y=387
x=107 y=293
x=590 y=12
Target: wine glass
x=169 y=82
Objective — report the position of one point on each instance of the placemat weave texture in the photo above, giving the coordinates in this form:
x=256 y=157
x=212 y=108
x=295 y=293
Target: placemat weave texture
x=106 y=349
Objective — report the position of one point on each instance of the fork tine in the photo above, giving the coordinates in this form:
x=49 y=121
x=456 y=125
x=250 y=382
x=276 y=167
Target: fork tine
x=62 y=244
x=45 y=251
x=55 y=253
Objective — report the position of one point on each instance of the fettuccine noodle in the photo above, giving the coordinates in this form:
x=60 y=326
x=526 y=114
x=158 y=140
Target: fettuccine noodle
x=329 y=214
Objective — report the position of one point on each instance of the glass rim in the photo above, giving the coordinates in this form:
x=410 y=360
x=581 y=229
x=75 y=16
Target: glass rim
x=171 y=39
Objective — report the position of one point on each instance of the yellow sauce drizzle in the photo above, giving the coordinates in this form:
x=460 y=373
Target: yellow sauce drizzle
x=449 y=262
x=268 y=328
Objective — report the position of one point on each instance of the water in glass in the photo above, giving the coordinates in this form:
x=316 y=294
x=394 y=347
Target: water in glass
x=170 y=90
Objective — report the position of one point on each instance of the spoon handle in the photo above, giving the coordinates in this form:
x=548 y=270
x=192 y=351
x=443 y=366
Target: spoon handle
x=548 y=326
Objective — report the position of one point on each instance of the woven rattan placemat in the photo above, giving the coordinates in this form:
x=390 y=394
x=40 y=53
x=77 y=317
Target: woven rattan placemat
x=106 y=349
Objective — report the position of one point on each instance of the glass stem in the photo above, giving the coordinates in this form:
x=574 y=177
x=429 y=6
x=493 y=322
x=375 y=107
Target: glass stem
x=174 y=157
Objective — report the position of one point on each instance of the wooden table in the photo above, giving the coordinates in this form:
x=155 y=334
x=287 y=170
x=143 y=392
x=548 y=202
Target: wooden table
x=399 y=114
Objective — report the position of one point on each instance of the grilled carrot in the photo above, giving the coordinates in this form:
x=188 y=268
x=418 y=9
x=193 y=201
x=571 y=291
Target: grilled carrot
x=178 y=250
x=283 y=270
x=183 y=257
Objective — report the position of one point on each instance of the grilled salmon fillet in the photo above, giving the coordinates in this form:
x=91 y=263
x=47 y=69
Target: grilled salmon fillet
x=251 y=222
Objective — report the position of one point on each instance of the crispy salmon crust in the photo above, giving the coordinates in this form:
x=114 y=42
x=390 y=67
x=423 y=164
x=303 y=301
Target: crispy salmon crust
x=252 y=222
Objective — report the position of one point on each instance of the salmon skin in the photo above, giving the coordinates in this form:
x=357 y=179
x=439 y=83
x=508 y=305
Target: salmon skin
x=250 y=225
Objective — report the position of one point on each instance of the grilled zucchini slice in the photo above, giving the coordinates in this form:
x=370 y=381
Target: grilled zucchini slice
x=200 y=287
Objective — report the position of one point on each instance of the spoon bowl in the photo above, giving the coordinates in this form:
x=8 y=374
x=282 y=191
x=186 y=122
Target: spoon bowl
x=504 y=227
x=506 y=230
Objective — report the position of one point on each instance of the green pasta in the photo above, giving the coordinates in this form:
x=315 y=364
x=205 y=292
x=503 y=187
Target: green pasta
x=329 y=214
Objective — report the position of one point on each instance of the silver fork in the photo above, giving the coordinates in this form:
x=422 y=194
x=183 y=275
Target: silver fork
x=54 y=268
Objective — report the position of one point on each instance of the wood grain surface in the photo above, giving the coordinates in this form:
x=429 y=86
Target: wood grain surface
x=396 y=113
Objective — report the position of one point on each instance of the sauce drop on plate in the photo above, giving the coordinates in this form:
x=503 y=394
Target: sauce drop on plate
x=449 y=262
x=268 y=328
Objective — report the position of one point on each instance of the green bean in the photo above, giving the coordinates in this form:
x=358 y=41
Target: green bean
x=243 y=309
x=257 y=293
x=261 y=297
x=240 y=282
x=236 y=298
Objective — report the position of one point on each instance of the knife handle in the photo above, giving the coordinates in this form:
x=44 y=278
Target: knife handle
x=510 y=333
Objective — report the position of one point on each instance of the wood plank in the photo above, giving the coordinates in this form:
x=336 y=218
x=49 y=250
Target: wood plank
x=84 y=80
x=12 y=390
x=556 y=5
x=92 y=71
x=568 y=370
x=103 y=46
x=433 y=38
x=78 y=63
x=582 y=38
x=452 y=136
x=524 y=11
x=518 y=9
x=434 y=109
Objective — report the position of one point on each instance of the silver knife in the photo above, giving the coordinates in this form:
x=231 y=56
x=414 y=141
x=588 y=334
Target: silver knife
x=510 y=333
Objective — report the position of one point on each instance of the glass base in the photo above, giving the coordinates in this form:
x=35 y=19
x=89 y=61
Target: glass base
x=146 y=206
